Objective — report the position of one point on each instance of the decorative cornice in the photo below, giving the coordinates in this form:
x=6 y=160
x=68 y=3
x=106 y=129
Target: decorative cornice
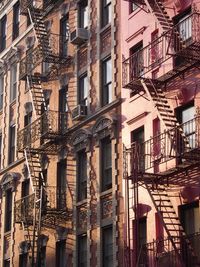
x=81 y=140
x=8 y=181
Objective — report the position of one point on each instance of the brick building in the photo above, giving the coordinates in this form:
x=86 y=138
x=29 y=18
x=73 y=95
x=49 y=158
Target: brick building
x=60 y=134
x=160 y=76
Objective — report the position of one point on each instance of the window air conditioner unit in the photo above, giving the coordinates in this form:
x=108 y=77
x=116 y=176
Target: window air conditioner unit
x=79 y=36
x=79 y=112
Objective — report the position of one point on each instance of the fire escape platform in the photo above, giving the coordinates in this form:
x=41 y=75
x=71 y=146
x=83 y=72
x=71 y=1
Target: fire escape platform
x=169 y=47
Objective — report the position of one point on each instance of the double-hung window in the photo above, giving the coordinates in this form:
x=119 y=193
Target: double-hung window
x=64 y=35
x=82 y=250
x=61 y=253
x=83 y=14
x=15 y=21
x=106 y=12
x=11 y=154
x=23 y=260
x=8 y=210
x=13 y=82
x=106 y=81
x=83 y=90
x=82 y=175
x=61 y=184
x=3 y=23
x=106 y=163
x=107 y=246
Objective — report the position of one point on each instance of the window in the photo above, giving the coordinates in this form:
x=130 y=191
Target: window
x=138 y=137
x=106 y=81
x=64 y=35
x=1 y=140
x=45 y=68
x=25 y=188
x=6 y=263
x=15 y=21
x=8 y=209
x=3 y=33
x=83 y=14
x=136 y=61
x=42 y=257
x=63 y=108
x=107 y=245
x=186 y=116
x=82 y=250
x=82 y=175
x=155 y=57
x=83 y=90
x=13 y=82
x=142 y=240
x=11 y=155
x=61 y=184
x=106 y=12
x=1 y=91
x=27 y=122
x=190 y=219
x=61 y=253
x=132 y=7
x=106 y=163
x=23 y=260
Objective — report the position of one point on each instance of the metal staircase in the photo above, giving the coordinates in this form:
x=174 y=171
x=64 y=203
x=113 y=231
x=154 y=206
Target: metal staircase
x=171 y=222
x=35 y=86
x=165 y=112
x=158 y=10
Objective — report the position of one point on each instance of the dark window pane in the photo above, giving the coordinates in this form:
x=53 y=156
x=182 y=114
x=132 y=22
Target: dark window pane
x=3 y=33
x=61 y=253
x=82 y=251
x=106 y=12
x=64 y=35
x=82 y=175
x=13 y=82
x=107 y=243
x=83 y=14
x=8 y=213
x=106 y=81
x=11 y=154
x=23 y=260
x=16 y=20
x=83 y=90
x=61 y=184
x=106 y=163
x=1 y=91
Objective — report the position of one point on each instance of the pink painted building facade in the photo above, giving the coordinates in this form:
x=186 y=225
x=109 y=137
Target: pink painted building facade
x=160 y=80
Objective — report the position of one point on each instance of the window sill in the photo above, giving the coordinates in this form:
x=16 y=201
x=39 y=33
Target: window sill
x=81 y=202
x=106 y=192
x=105 y=28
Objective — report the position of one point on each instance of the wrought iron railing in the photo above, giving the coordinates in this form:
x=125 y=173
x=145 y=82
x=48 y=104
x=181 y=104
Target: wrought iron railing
x=180 y=40
x=161 y=252
x=178 y=142
x=53 y=199
x=44 y=5
x=50 y=125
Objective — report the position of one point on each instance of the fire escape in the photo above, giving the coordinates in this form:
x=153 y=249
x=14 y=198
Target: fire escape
x=175 y=146
x=46 y=206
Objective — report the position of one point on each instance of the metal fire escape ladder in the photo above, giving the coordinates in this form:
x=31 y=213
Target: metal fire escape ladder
x=34 y=83
x=170 y=220
x=42 y=37
x=165 y=113
x=158 y=10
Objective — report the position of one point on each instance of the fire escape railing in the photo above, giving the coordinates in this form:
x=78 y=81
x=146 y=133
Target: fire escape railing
x=170 y=145
x=161 y=251
x=181 y=40
x=54 y=199
x=50 y=125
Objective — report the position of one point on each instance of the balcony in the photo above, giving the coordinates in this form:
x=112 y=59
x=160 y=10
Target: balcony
x=54 y=203
x=57 y=53
x=49 y=127
x=161 y=252
x=181 y=143
x=180 y=44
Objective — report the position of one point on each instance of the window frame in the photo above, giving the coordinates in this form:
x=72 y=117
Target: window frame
x=13 y=82
x=83 y=89
x=106 y=13
x=82 y=254
x=3 y=32
x=12 y=145
x=105 y=239
x=81 y=166
x=61 y=183
x=16 y=20
x=106 y=92
x=83 y=20
x=8 y=209
x=64 y=35
x=106 y=169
